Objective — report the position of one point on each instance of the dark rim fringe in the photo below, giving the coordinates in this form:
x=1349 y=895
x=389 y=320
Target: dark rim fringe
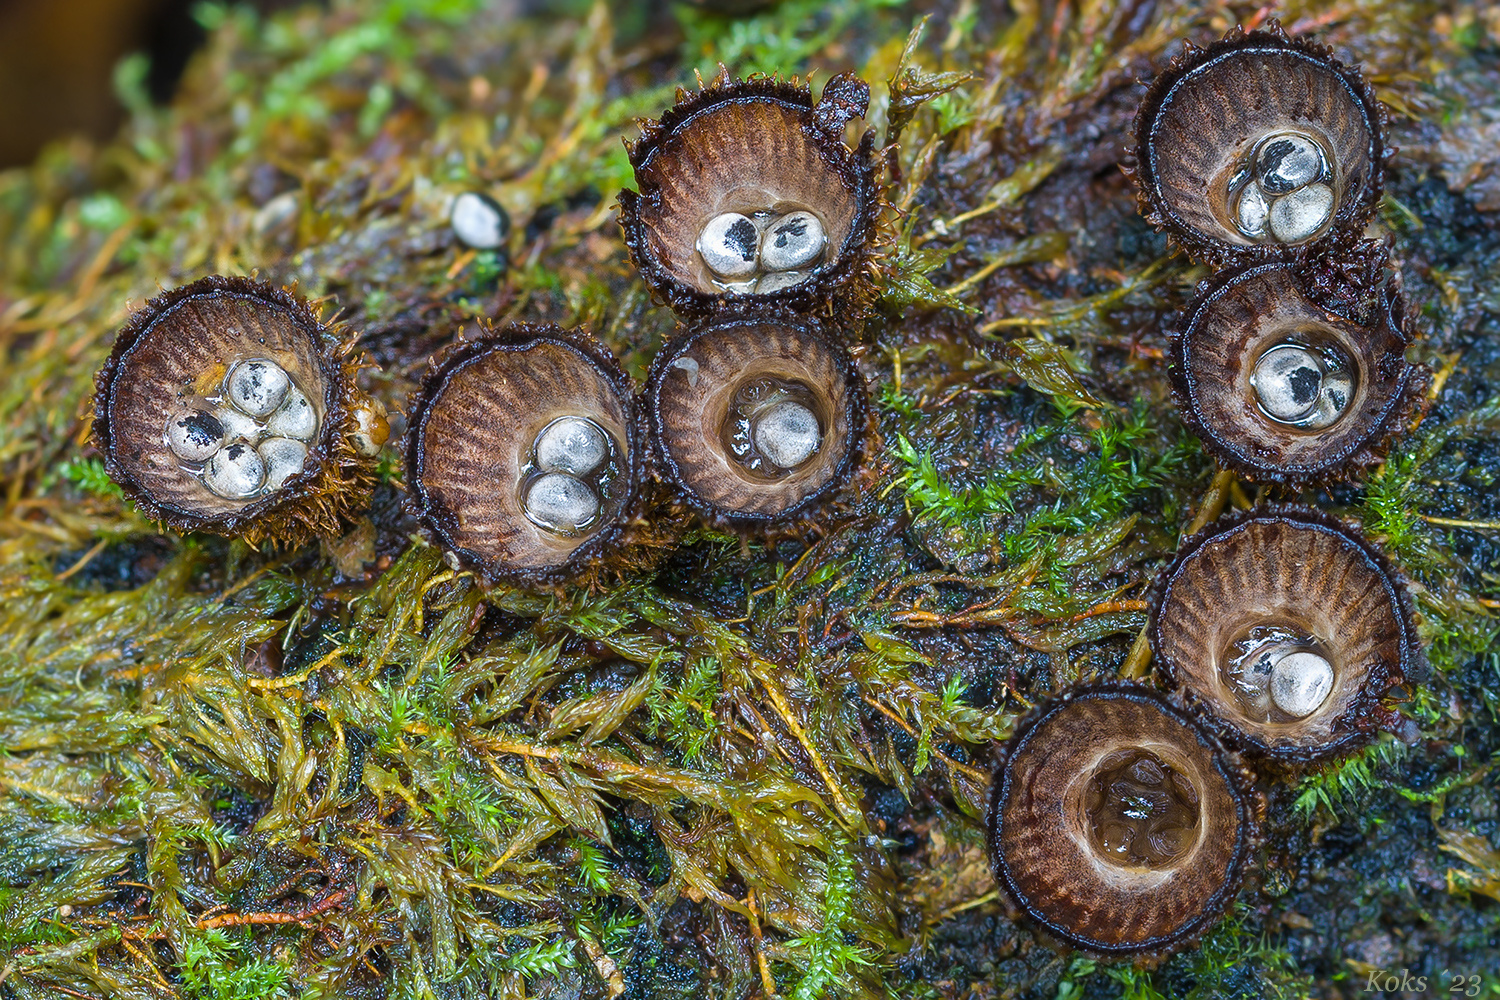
x=1239 y=779
x=1366 y=714
x=335 y=479
x=1348 y=222
x=841 y=291
x=616 y=546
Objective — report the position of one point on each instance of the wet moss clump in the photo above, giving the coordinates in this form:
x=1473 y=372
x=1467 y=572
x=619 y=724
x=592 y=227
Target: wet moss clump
x=347 y=770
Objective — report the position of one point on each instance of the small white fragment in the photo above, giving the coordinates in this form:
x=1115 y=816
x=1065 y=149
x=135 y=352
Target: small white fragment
x=690 y=368
x=279 y=211
x=574 y=445
x=1300 y=215
x=775 y=281
x=1288 y=162
x=787 y=434
x=295 y=419
x=561 y=503
x=283 y=458
x=729 y=244
x=372 y=428
x=235 y=471
x=479 y=221
x=1253 y=212
x=1300 y=683
x=194 y=435
x=237 y=426
x=1288 y=381
x=793 y=241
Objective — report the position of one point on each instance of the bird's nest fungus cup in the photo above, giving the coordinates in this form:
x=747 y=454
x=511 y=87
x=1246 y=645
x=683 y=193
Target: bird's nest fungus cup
x=1258 y=142
x=1118 y=823
x=524 y=454
x=1288 y=627
x=1282 y=388
x=748 y=190
x=226 y=406
x=756 y=419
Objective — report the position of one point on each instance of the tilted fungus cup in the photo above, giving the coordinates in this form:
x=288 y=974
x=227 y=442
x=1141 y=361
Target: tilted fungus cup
x=756 y=419
x=1258 y=142
x=1289 y=628
x=226 y=406
x=1283 y=389
x=742 y=165
x=1119 y=824
x=524 y=454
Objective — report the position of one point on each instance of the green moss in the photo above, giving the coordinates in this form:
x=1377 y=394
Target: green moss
x=215 y=967
x=349 y=771
x=1340 y=788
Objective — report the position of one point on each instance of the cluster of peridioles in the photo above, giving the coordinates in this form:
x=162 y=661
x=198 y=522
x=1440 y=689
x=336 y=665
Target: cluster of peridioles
x=1122 y=817
x=227 y=406
x=1279 y=629
x=528 y=449
x=753 y=413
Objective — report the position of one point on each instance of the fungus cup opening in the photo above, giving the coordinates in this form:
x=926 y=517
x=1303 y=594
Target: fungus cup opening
x=704 y=387
x=166 y=386
x=1204 y=128
x=1243 y=314
x=472 y=455
x=1092 y=761
x=1245 y=594
x=759 y=148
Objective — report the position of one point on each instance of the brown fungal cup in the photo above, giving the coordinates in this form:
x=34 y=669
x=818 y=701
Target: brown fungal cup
x=748 y=190
x=524 y=454
x=226 y=406
x=1281 y=388
x=1118 y=824
x=1288 y=627
x=756 y=419
x=1257 y=142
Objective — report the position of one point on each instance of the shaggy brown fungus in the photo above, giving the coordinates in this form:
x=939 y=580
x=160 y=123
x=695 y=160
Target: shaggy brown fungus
x=757 y=418
x=523 y=454
x=226 y=407
x=1289 y=627
x=747 y=189
x=1257 y=142
x=1284 y=389
x=1118 y=823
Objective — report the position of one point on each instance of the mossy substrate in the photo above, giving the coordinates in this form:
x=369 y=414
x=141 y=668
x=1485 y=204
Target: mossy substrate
x=346 y=770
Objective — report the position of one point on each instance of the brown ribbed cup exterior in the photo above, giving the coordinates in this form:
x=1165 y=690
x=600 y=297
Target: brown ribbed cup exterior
x=687 y=413
x=744 y=145
x=1212 y=105
x=1045 y=860
x=470 y=435
x=1287 y=565
x=191 y=335
x=1240 y=314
